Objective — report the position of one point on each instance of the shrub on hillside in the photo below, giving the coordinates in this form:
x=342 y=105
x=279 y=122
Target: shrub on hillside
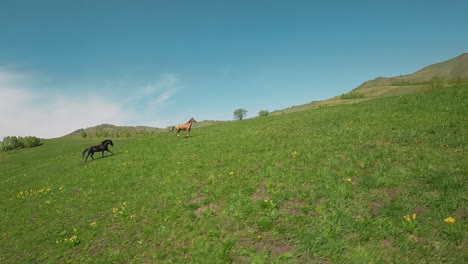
x=434 y=83
x=30 y=142
x=352 y=95
x=263 y=113
x=437 y=82
x=457 y=81
x=10 y=143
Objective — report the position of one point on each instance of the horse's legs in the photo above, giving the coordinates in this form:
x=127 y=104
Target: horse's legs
x=178 y=130
x=89 y=153
x=92 y=154
x=102 y=154
x=110 y=151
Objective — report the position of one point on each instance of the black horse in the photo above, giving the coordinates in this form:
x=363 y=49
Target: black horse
x=103 y=147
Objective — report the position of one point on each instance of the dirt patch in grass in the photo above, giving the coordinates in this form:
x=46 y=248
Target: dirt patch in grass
x=367 y=148
x=375 y=207
x=197 y=199
x=112 y=228
x=385 y=192
x=77 y=191
x=292 y=207
x=254 y=167
x=320 y=201
x=392 y=192
x=417 y=239
x=275 y=246
x=388 y=244
x=211 y=206
x=260 y=195
x=99 y=245
x=280 y=247
x=351 y=236
x=420 y=210
x=460 y=213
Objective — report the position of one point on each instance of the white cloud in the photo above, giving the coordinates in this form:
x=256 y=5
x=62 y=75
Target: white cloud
x=153 y=96
x=168 y=81
x=24 y=112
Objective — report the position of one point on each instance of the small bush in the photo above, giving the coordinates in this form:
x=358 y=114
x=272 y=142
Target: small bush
x=263 y=113
x=457 y=81
x=352 y=95
x=434 y=83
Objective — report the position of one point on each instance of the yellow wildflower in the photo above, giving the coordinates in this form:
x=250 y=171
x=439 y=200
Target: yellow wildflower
x=414 y=216
x=407 y=218
x=349 y=180
x=133 y=216
x=93 y=224
x=450 y=220
x=259 y=237
x=231 y=173
x=295 y=154
x=47 y=202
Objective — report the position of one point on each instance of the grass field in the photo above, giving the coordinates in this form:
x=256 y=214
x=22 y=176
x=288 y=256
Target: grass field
x=382 y=181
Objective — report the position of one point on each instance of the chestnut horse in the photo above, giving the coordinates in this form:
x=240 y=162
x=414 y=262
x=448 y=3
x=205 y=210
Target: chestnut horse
x=187 y=126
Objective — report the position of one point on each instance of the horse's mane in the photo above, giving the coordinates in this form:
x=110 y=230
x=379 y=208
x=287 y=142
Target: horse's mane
x=106 y=141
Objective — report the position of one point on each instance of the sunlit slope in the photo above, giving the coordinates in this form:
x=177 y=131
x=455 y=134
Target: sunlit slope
x=331 y=185
x=450 y=72
x=447 y=70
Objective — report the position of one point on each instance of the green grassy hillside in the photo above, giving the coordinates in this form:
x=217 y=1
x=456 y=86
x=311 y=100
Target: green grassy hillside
x=447 y=70
x=450 y=72
x=382 y=181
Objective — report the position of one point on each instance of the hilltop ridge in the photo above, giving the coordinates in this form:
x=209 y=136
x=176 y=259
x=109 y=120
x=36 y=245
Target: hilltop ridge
x=450 y=71
x=447 y=70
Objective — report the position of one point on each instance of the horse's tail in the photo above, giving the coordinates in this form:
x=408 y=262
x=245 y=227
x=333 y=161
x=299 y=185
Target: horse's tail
x=82 y=155
x=171 y=129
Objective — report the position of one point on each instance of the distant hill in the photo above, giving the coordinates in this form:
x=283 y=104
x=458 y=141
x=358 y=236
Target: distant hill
x=453 y=71
x=447 y=70
x=106 y=130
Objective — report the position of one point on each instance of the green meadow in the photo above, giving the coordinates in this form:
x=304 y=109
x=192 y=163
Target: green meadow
x=381 y=181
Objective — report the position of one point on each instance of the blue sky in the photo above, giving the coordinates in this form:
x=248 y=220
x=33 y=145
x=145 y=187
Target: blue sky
x=66 y=65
